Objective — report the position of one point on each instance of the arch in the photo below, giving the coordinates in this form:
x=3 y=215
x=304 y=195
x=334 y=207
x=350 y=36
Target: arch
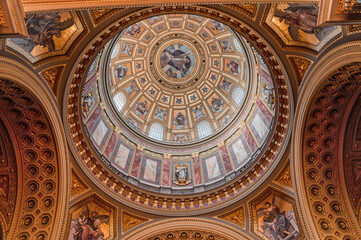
x=238 y=95
x=216 y=227
x=339 y=57
x=156 y=131
x=204 y=129
x=119 y=100
x=39 y=93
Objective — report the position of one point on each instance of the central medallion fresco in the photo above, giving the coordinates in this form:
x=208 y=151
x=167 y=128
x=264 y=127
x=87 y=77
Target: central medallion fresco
x=177 y=60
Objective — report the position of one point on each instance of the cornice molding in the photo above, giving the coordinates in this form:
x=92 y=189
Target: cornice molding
x=56 y=5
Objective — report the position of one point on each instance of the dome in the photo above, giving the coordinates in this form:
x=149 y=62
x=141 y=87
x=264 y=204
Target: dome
x=180 y=104
x=179 y=85
x=178 y=78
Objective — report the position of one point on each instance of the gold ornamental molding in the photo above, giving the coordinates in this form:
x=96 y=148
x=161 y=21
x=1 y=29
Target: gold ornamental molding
x=300 y=67
x=235 y=216
x=191 y=226
x=12 y=19
x=48 y=5
x=2 y=18
x=339 y=12
x=130 y=221
x=53 y=76
x=77 y=185
x=285 y=178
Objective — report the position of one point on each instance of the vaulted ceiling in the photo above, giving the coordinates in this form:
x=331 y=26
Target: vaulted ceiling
x=192 y=121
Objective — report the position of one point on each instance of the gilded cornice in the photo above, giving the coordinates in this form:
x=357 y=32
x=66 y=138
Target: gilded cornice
x=51 y=5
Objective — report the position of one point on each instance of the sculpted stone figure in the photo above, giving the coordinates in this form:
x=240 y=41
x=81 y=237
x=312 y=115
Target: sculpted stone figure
x=181 y=176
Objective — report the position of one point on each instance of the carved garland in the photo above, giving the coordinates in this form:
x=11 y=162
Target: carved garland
x=130 y=194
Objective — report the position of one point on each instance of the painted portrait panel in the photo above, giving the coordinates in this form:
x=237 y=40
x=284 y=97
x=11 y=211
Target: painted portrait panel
x=91 y=219
x=177 y=61
x=275 y=217
x=296 y=24
x=50 y=34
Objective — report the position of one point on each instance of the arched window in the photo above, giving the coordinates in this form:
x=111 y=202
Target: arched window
x=119 y=100
x=238 y=95
x=156 y=131
x=204 y=129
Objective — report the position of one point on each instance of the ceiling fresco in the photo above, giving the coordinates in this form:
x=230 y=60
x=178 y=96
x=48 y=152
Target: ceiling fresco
x=178 y=123
x=158 y=85
x=185 y=68
x=50 y=34
x=92 y=219
x=296 y=24
x=152 y=167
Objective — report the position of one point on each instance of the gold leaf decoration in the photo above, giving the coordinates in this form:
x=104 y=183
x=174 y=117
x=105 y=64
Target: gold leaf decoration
x=247 y=9
x=236 y=216
x=53 y=76
x=300 y=66
x=284 y=177
x=2 y=18
x=99 y=15
x=77 y=185
x=130 y=221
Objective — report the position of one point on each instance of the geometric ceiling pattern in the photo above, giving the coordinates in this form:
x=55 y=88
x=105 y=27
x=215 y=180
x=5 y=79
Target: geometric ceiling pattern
x=174 y=170
x=177 y=123
x=178 y=72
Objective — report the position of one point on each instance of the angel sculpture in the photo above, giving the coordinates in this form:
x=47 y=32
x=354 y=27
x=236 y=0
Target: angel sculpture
x=301 y=17
x=87 y=227
x=87 y=103
x=276 y=224
x=269 y=96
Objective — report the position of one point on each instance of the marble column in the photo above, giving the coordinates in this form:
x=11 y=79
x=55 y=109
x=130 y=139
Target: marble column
x=225 y=157
x=166 y=169
x=136 y=162
x=197 y=171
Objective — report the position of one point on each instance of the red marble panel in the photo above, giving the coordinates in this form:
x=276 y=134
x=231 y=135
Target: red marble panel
x=226 y=159
x=197 y=171
x=166 y=172
x=265 y=75
x=93 y=118
x=136 y=163
x=264 y=110
x=111 y=144
x=249 y=138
